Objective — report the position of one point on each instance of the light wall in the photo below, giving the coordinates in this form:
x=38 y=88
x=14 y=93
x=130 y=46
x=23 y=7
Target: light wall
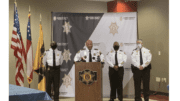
x=153 y=28
x=45 y=7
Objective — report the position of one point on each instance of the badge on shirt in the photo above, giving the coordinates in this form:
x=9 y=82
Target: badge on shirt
x=136 y=52
x=94 y=54
x=85 y=57
x=57 y=54
x=122 y=62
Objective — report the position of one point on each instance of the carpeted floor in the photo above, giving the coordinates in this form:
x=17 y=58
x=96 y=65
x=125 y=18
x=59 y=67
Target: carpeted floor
x=152 y=98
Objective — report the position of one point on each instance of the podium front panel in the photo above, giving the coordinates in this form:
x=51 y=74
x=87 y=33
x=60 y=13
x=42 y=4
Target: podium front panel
x=86 y=90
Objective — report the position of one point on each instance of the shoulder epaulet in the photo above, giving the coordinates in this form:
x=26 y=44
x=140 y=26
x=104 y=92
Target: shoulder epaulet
x=107 y=53
x=78 y=51
x=47 y=50
x=135 y=49
x=95 y=49
x=83 y=49
x=58 y=49
x=111 y=51
x=100 y=52
x=132 y=52
x=146 y=48
x=149 y=51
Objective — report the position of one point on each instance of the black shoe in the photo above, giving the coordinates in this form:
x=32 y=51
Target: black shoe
x=111 y=100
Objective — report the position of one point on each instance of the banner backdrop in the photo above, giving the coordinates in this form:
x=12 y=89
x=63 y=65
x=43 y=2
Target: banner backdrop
x=72 y=30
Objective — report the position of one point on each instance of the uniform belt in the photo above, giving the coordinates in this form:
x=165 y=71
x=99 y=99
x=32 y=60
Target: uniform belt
x=53 y=67
x=136 y=68
x=118 y=67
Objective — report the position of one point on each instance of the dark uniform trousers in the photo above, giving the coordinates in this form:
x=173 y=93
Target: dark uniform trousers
x=141 y=75
x=116 y=78
x=53 y=76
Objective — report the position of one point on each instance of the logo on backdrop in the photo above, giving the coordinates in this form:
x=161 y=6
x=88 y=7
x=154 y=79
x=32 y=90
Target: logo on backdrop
x=59 y=18
x=121 y=44
x=62 y=44
x=128 y=18
x=67 y=80
x=66 y=55
x=92 y=17
x=67 y=27
x=121 y=18
x=54 y=18
x=63 y=69
x=113 y=28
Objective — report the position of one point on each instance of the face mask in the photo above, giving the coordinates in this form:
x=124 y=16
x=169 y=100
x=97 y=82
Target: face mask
x=139 y=45
x=116 y=47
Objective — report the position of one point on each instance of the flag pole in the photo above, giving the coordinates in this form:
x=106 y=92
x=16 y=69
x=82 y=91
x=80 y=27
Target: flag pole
x=15 y=3
x=40 y=18
x=29 y=9
x=29 y=18
x=40 y=29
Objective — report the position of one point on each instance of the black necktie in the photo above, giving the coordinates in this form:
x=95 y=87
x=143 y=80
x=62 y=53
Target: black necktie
x=116 y=61
x=141 y=60
x=90 y=58
x=54 y=60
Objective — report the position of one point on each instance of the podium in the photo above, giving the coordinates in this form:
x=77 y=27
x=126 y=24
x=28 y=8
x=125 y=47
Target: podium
x=88 y=81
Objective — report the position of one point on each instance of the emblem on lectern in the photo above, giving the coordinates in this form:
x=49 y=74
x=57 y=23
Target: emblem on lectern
x=88 y=77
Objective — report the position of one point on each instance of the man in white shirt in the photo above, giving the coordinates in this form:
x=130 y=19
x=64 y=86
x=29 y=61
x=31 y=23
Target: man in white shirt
x=88 y=54
x=53 y=60
x=141 y=59
x=116 y=60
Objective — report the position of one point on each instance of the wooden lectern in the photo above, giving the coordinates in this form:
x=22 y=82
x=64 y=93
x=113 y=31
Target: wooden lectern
x=88 y=81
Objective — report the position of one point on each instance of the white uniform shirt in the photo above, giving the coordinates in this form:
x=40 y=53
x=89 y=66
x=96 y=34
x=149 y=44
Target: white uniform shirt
x=121 y=58
x=146 y=57
x=48 y=57
x=84 y=54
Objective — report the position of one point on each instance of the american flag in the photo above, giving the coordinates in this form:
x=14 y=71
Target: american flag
x=18 y=47
x=29 y=52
